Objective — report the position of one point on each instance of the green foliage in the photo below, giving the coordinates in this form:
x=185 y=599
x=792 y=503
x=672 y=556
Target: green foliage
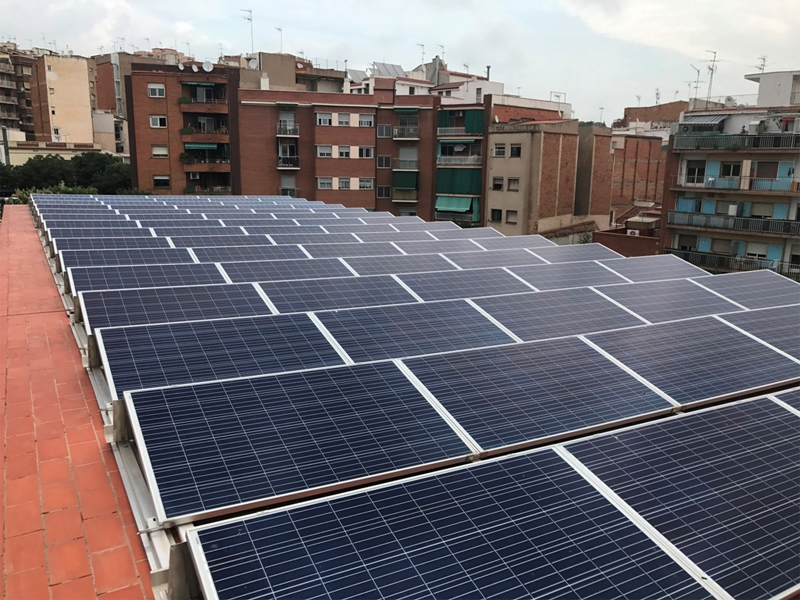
x=115 y=177
x=44 y=171
x=186 y=158
x=89 y=165
x=24 y=196
x=8 y=176
x=585 y=238
x=133 y=192
x=96 y=172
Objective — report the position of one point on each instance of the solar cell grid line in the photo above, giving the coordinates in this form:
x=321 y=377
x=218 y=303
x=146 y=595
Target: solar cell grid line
x=245 y=253
x=386 y=265
x=342 y=292
x=148 y=356
x=652 y=268
x=524 y=526
x=542 y=315
x=438 y=247
x=470 y=283
x=670 y=300
x=494 y=258
x=261 y=222
x=424 y=226
x=354 y=249
x=384 y=332
x=578 y=252
x=518 y=395
x=203 y=230
x=130 y=256
x=790 y=398
x=257 y=441
x=472 y=233
x=119 y=222
x=285 y=270
x=316 y=220
x=117 y=308
x=566 y=275
x=313 y=238
x=775 y=326
x=98 y=232
x=754 y=289
x=720 y=484
x=394 y=236
x=516 y=241
x=108 y=243
x=358 y=229
x=273 y=229
x=707 y=360
x=212 y=241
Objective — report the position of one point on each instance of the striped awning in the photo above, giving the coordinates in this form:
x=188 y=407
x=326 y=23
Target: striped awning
x=704 y=119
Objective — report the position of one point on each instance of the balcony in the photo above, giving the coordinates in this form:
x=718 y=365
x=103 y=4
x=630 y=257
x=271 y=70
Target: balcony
x=757 y=185
x=288 y=128
x=724 y=262
x=209 y=165
x=440 y=131
x=406 y=164
x=7 y=83
x=209 y=136
x=8 y=99
x=6 y=67
x=767 y=226
x=458 y=161
x=288 y=162
x=293 y=192
x=715 y=102
x=778 y=141
x=203 y=105
x=217 y=189
x=405 y=133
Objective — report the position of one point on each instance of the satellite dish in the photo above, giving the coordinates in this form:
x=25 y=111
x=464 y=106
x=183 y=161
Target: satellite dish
x=208 y=66
x=252 y=63
x=195 y=69
x=181 y=67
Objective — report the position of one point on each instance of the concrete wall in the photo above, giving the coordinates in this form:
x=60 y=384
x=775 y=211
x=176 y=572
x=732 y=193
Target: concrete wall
x=68 y=78
x=775 y=89
x=103 y=125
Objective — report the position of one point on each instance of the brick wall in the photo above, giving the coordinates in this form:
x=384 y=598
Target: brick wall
x=518 y=113
x=602 y=172
x=557 y=183
x=638 y=170
x=628 y=245
x=668 y=113
x=104 y=86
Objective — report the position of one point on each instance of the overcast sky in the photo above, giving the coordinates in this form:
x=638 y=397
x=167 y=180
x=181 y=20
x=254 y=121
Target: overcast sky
x=599 y=52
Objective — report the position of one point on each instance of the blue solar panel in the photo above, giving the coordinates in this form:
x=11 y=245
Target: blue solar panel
x=471 y=233
x=370 y=228
x=314 y=238
x=579 y=252
x=85 y=279
x=653 y=268
x=516 y=241
x=243 y=253
x=792 y=398
x=342 y=292
x=463 y=284
x=202 y=230
x=108 y=243
x=755 y=289
x=272 y=229
x=118 y=223
x=698 y=360
x=253 y=440
x=495 y=258
x=356 y=249
x=380 y=265
x=132 y=256
x=525 y=527
x=394 y=236
x=721 y=485
x=537 y=316
x=97 y=232
x=285 y=270
x=436 y=247
x=217 y=241
x=412 y=329
x=566 y=275
x=524 y=393
x=423 y=226
x=776 y=326
x=173 y=353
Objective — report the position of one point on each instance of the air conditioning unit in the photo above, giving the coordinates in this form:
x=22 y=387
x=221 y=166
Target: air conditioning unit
x=194 y=175
x=633 y=232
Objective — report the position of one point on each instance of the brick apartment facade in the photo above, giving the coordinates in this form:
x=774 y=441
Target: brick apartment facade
x=639 y=164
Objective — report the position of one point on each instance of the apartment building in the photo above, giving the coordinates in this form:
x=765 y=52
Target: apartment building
x=733 y=197
x=638 y=170
x=62 y=98
x=16 y=70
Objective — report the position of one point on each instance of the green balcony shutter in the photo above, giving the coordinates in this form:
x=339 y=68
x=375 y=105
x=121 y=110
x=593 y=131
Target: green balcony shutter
x=405 y=180
x=473 y=121
x=708 y=207
x=453 y=204
x=780 y=211
x=476 y=210
x=443 y=118
x=704 y=244
x=774 y=252
x=746 y=206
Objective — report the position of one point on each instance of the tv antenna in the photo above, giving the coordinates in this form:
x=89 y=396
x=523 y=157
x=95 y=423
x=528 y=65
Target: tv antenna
x=221 y=51
x=712 y=68
x=101 y=48
x=442 y=47
x=676 y=95
x=697 y=81
x=147 y=41
x=466 y=66
x=248 y=16
x=602 y=108
x=188 y=49
x=423 y=52
x=762 y=63
x=638 y=100
x=280 y=31
x=658 y=96
x=122 y=40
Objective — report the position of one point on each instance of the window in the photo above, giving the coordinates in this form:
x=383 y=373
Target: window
x=344 y=119
x=384 y=131
x=49 y=67
x=725 y=208
x=687 y=242
x=156 y=90
x=513 y=184
x=499 y=150
x=767 y=170
x=366 y=120
x=158 y=121
x=52 y=110
x=366 y=152
x=52 y=91
x=91 y=71
x=56 y=131
x=496 y=215
x=511 y=217
x=761 y=210
x=325 y=183
x=344 y=183
x=324 y=118
x=614 y=144
x=344 y=151
x=384 y=191
x=695 y=171
x=730 y=170
x=787 y=124
x=516 y=150
x=160 y=181
x=160 y=151
x=497 y=184
x=384 y=162
x=448 y=93
x=91 y=84
x=756 y=250
x=412 y=90
x=406 y=212
x=478 y=95
x=721 y=246
x=365 y=183
x=324 y=151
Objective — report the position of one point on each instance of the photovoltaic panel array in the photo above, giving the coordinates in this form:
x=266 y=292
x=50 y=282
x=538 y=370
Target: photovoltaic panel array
x=215 y=241
x=518 y=241
x=566 y=275
x=463 y=284
x=109 y=243
x=85 y=279
x=776 y=326
x=394 y=236
x=434 y=247
x=652 y=268
x=495 y=258
x=381 y=265
x=472 y=233
x=244 y=253
x=561 y=254
x=96 y=232
x=280 y=270
x=792 y=398
x=755 y=289
x=355 y=249
x=132 y=256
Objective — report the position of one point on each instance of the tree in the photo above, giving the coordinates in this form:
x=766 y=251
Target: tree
x=8 y=177
x=44 y=171
x=89 y=165
x=115 y=178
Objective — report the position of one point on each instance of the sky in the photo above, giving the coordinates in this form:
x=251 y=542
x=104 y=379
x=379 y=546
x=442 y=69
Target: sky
x=600 y=53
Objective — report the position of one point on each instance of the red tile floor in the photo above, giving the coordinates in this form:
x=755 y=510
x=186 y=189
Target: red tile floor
x=68 y=531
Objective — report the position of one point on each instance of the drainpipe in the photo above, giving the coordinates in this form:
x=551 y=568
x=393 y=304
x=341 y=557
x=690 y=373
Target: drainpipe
x=6 y=150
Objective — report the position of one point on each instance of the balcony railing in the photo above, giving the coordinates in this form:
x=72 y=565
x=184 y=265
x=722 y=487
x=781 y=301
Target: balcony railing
x=8 y=99
x=293 y=192
x=725 y=262
x=451 y=131
x=288 y=128
x=754 y=184
x=407 y=163
x=7 y=83
x=774 y=226
x=288 y=162
x=216 y=189
x=463 y=219
x=737 y=142
x=723 y=102
x=794 y=98
x=405 y=133
x=458 y=160
x=190 y=130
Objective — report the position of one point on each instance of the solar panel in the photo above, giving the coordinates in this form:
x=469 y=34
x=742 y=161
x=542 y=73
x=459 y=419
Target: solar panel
x=395 y=331
x=792 y=398
x=463 y=284
x=218 y=241
x=526 y=526
x=370 y=228
x=285 y=270
x=252 y=440
x=698 y=360
x=343 y=292
x=659 y=301
x=776 y=326
x=198 y=231
x=516 y=241
x=131 y=256
x=97 y=232
x=86 y=279
x=566 y=275
x=384 y=265
x=320 y=220
x=537 y=316
x=356 y=249
x=436 y=247
x=578 y=252
x=424 y=226
x=173 y=353
x=272 y=229
x=653 y=268
x=755 y=289
x=523 y=393
x=108 y=243
x=245 y=253
x=720 y=484
x=394 y=236
x=472 y=233
x=314 y=238
x=118 y=223
x=495 y=258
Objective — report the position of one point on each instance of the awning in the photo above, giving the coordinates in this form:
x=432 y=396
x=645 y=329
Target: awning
x=406 y=110
x=287 y=104
x=453 y=204
x=456 y=141
x=206 y=83
x=404 y=180
x=199 y=146
x=704 y=119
